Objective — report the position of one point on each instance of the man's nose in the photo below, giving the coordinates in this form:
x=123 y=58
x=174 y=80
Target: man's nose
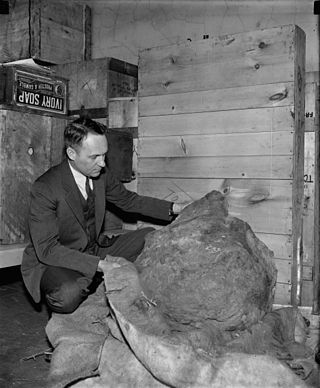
x=101 y=161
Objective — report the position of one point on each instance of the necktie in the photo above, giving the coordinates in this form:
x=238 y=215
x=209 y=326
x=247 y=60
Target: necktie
x=88 y=188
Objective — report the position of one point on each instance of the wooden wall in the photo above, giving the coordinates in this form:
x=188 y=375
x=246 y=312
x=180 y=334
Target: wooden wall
x=228 y=114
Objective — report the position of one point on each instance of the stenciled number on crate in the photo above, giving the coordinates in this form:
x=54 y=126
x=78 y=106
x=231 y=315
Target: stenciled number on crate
x=308 y=178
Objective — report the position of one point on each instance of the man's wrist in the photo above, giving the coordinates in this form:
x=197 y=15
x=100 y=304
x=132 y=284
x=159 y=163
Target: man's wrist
x=171 y=212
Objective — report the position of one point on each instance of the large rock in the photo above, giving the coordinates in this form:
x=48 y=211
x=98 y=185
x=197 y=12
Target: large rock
x=208 y=269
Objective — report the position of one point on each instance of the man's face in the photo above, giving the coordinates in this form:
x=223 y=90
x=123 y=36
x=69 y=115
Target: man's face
x=89 y=158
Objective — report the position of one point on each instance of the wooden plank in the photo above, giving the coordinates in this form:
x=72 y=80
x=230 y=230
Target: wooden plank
x=260 y=57
x=298 y=166
x=251 y=167
x=265 y=205
x=250 y=97
x=284 y=271
x=244 y=144
x=309 y=198
x=25 y=155
x=254 y=71
x=241 y=191
x=282 y=294
x=307 y=293
x=307 y=273
x=204 y=123
x=223 y=49
x=281 y=245
x=316 y=280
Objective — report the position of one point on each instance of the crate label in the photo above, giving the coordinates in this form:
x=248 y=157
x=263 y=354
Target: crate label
x=40 y=92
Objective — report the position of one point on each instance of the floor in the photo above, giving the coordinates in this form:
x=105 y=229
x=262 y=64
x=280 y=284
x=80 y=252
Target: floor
x=22 y=328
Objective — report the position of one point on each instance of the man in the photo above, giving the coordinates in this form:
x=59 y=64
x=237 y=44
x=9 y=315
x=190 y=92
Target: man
x=66 y=253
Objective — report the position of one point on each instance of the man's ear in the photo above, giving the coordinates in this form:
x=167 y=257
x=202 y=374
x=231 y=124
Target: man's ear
x=71 y=153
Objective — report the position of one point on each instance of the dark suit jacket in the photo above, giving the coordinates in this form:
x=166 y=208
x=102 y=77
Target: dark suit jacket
x=57 y=225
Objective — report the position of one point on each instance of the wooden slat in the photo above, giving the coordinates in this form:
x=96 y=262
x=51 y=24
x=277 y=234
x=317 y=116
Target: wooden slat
x=184 y=190
x=282 y=294
x=264 y=167
x=265 y=217
x=217 y=49
x=309 y=198
x=254 y=71
x=250 y=97
x=281 y=245
x=284 y=270
x=244 y=144
x=260 y=57
x=307 y=293
x=298 y=165
x=265 y=205
x=316 y=280
x=204 y=123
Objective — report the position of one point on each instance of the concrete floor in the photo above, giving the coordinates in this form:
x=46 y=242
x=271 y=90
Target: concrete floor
x=22 y=328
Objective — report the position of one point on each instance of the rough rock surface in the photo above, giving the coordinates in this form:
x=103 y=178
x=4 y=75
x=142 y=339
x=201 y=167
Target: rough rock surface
x=207 y=269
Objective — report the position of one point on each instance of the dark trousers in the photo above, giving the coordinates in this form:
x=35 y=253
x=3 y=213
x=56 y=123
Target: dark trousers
x=65 y=289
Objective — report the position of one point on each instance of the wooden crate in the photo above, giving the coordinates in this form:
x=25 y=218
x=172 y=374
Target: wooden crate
x=51 y=31
x=228 y=114
x=92 y=83
x=25 y=153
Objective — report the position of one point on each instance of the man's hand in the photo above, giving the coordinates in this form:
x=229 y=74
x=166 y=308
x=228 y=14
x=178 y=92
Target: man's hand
x=110 y=262
x=178 y=207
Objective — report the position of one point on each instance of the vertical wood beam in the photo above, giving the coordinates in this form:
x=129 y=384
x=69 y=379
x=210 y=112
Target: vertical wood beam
x=316 y=278
x=35 y=28
x=298 y=166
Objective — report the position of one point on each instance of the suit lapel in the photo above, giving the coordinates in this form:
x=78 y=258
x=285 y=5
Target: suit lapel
x=72 y=193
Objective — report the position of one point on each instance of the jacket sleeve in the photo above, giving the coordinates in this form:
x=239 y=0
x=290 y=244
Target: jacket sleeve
x=129 y=201
x=46 y=235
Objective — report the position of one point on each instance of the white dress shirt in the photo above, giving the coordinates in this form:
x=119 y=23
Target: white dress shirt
x=81 y=181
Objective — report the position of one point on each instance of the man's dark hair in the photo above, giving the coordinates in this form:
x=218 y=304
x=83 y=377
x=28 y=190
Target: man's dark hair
x=78 y=130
